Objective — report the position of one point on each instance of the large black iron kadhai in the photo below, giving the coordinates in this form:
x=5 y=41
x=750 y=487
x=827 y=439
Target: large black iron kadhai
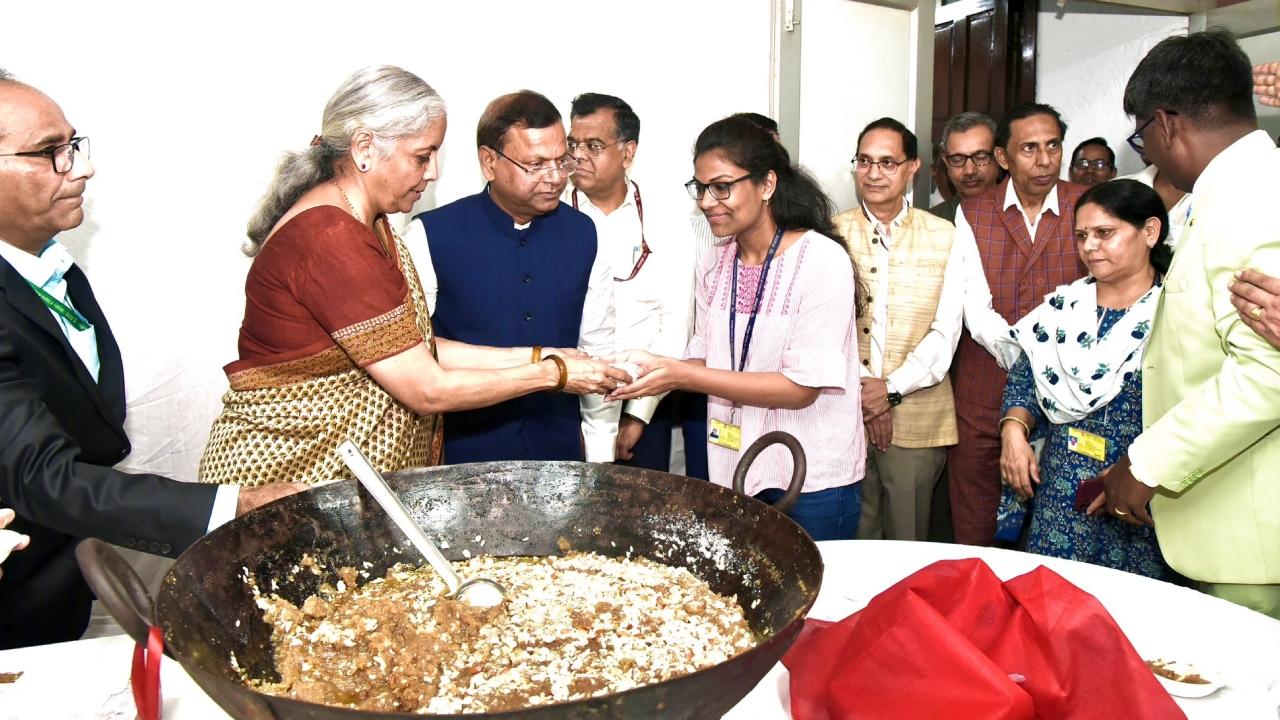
x=738 y=545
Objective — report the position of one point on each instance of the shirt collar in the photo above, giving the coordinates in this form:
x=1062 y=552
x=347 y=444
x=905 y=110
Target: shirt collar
x=504 y=223
x=1050 y=200
x=585 y=202
x=897 y=220
x=1241 y=153
x=44 y=270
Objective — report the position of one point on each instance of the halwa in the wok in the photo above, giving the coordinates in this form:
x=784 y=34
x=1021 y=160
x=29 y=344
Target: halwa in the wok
x=573 y=627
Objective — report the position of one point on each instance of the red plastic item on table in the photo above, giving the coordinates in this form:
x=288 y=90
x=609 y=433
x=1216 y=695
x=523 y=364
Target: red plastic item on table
x=954 y=641
x=145 y=678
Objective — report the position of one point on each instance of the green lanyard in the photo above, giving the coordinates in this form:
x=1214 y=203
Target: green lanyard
x=69 y=314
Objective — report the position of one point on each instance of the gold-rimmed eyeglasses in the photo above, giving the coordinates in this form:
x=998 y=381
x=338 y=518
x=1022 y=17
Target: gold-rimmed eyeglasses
x=566 y=166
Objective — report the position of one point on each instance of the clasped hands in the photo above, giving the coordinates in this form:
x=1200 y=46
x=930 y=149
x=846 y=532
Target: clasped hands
x=587 y=375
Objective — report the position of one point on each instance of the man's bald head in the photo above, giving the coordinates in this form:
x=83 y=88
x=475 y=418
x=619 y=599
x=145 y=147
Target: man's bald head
x=36 y=201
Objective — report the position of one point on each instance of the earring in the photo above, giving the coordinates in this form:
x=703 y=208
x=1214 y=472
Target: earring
x=364 y=167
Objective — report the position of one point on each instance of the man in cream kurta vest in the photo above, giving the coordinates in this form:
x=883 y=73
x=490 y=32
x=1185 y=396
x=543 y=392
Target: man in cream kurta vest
x=1210 y=453
x=906 y=336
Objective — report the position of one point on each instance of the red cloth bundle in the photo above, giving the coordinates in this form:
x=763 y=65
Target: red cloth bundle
x=954 y=641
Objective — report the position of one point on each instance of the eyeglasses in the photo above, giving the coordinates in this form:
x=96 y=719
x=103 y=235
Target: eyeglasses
x=863 y=164
x=62 y=157
x=1135 y=140
x=566 y=166
x=980 y=159
x=590 y=148
x=1084 y=164
x=718 y=190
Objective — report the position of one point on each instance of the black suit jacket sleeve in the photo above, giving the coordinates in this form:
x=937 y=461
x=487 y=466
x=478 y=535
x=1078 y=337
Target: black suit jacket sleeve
x=43 y=477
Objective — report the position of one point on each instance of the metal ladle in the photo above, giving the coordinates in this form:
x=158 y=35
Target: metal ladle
x=477 y=592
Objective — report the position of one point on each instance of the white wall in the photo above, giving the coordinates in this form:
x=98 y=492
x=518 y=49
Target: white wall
x=1083 y=61
x=189 y=107
x=854 y=67
x=1264 y=49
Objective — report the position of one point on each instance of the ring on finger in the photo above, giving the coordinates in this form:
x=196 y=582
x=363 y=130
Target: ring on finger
x=1119 y=512
x=1256 y=313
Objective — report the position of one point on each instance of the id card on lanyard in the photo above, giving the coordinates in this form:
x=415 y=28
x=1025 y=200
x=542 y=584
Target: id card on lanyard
x=729 y=434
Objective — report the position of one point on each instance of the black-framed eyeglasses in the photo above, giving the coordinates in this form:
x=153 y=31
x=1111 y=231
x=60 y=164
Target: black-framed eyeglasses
x=591 y=148
x=1135 y=140
x=718 y=190
x=566 y=166
x=863 y=164
x=1085 y=164
x=62 y=157
x=982 y=158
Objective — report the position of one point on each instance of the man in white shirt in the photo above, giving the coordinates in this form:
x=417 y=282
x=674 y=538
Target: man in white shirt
x=906 y=337
x=651 y=265
x=1207 y=456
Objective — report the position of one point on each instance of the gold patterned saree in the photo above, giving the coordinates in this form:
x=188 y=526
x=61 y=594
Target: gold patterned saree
x=282 y=421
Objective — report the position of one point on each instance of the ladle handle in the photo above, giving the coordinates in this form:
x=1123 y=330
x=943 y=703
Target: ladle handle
x=798 y=463
x=121 y=591
x=373 y=481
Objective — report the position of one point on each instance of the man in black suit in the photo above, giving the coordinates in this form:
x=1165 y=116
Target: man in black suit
x=62 y=400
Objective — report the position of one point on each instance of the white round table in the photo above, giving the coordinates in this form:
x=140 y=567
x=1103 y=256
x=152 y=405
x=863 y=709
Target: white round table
x=90 y=678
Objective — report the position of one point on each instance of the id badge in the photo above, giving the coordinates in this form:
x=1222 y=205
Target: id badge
x=1087 y=444
x=726 y=435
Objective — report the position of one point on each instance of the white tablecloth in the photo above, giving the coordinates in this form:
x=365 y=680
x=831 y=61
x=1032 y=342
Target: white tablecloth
x=90 y=678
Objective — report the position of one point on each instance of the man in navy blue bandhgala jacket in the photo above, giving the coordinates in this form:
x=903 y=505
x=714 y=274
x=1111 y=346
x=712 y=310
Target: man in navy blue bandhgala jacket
x=511 y=266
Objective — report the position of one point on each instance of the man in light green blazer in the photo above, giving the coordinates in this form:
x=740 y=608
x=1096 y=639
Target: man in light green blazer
x=1208 y=460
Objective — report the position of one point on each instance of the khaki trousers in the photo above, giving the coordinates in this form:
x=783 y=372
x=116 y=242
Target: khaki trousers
x=897 y=492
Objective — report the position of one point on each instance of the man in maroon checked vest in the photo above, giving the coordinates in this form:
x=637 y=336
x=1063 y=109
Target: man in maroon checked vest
x=1021 y=233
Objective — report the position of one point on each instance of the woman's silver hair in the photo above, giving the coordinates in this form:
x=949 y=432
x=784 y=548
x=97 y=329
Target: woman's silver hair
x=387 y=101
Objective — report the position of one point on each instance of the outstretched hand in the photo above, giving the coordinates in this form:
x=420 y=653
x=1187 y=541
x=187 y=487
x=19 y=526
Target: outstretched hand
x=1266 y=83
x=252 y=498
x=10 y=541
x=658 y=374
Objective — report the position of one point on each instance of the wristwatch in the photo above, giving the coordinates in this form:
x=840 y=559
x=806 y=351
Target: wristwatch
x=894 y=397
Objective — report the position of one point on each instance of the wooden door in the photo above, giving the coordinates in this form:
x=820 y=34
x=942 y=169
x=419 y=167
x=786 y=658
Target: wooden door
x=984 y=57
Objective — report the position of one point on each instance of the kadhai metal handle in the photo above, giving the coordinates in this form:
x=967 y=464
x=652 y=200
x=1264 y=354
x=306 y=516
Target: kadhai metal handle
x=776 y=437
x=118 y=587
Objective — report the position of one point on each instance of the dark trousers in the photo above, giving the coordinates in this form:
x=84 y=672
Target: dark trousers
x=690 y=413
x=830 y=514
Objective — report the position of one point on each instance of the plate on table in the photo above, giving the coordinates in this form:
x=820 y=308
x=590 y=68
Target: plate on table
x=1184 y=679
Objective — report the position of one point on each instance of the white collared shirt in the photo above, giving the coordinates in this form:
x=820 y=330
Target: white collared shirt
x=47 y=271
x=930 y=360
x=986 y=326
x=652 y=311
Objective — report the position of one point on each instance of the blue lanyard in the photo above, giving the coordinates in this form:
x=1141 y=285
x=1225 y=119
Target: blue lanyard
x=755 y=309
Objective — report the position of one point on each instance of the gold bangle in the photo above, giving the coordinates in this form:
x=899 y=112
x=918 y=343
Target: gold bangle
x=537 y=354
x=562 y=368
x=1010 y=418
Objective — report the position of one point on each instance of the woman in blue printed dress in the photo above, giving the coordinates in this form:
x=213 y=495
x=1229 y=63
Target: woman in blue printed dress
x=1078 y=381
